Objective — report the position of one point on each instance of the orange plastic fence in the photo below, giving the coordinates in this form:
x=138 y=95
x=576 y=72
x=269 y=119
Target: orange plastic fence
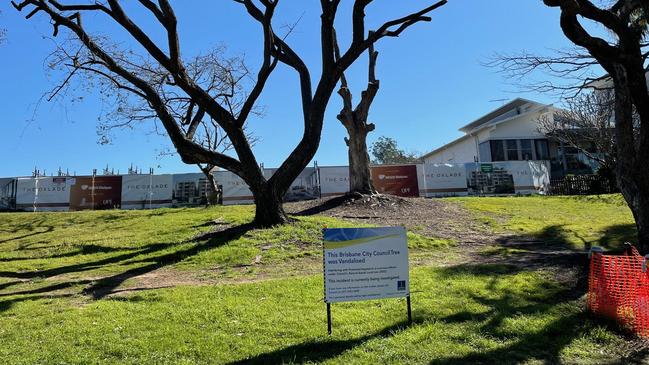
x=618 y=288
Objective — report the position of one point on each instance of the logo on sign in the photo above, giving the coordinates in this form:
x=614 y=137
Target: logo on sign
x=401 y=285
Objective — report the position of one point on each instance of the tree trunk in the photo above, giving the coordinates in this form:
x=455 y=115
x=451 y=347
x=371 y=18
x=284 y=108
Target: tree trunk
x=215 y=189
x=637 y=197
x=642 y=223
x=355 y=122
x=269 y=210
x=632 y=177
x=207 y=171
x=360 y=178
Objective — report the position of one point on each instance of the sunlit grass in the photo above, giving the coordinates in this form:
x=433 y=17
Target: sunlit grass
x=579 y=222
x=257 y=295
x=463 y=315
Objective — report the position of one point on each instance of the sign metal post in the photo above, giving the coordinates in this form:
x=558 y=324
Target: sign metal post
x=329 y=318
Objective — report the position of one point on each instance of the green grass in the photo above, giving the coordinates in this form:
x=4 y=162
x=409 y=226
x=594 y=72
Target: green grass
x=466 y=314
x=579 y=222
x=256 y=295
x=100 y=251
x=108 y=242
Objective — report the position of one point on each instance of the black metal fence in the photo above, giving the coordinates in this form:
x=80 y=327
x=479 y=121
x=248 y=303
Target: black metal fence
x=582 y=185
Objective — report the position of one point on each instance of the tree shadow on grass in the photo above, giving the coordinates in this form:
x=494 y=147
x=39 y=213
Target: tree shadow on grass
x=545 y=344
x=104 y=286
x=616 y=235
x=508 y=303
x=326 y=205
x=502 y=303
x=34 y=227
x=317 y=351
x=100 y=288
x=31 y=234
x=85 y=249
x=553 y=247
x=548 y=248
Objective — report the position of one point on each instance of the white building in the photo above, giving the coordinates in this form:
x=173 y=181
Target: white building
x=511 y=133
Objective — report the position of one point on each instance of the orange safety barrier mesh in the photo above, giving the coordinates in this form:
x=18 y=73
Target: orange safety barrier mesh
x=618 y=288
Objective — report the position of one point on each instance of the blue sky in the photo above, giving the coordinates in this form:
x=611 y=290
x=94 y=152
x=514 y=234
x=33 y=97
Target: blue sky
x=432 y=81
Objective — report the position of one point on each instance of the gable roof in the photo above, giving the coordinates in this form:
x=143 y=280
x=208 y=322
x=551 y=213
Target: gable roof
x=491 y=116
x=494 y=118
x=456 y=141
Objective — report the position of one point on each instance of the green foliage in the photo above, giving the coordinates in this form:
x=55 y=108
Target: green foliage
x=386 y=151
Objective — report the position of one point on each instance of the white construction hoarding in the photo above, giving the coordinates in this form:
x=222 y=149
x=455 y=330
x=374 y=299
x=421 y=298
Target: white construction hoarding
x=334 y=180
x=304 y=187
x=44 y=193
x=235 y=190
x=530 y=177
x=440 y=180
x=147 y=191
x=506 y=178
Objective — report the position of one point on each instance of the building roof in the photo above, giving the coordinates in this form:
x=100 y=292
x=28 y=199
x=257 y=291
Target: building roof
x=446 y=146
x=492 y=118
x=605 y=82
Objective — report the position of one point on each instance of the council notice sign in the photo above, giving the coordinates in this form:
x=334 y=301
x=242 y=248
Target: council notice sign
x=365 y=263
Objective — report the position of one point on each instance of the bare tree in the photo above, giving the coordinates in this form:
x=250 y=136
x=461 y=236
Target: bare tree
x=224 y=78
x=586 y=124
x=355 y=121
x=622 y=53
x=267 y=193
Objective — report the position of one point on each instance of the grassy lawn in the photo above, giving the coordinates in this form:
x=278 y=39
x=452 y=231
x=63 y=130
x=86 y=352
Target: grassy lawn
x=255 y=296
x=579 y=222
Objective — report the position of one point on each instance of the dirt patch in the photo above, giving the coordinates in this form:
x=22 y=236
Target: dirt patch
x=430 y=217
x=476 y=242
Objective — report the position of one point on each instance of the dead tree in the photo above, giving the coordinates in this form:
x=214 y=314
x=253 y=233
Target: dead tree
x=268 y=193
x=355 y=121
x=623 y=56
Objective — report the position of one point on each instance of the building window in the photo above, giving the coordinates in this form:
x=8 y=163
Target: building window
x=542 y=149
x=526 y=150
x=511 y=149
x=497 y=150
x=485 y=151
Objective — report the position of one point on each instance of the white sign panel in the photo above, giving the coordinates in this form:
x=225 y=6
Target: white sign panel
x=334 y=181
x=235 y=190
x=365 y=263
x=529 y=177
x=146 y=191
x=440 y=180
x=44 y=193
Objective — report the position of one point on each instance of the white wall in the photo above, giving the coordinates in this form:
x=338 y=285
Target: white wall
x=527 y=126
x=461 y=152
x=465 y=151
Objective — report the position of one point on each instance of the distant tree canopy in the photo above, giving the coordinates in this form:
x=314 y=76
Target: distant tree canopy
x=386 y=151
